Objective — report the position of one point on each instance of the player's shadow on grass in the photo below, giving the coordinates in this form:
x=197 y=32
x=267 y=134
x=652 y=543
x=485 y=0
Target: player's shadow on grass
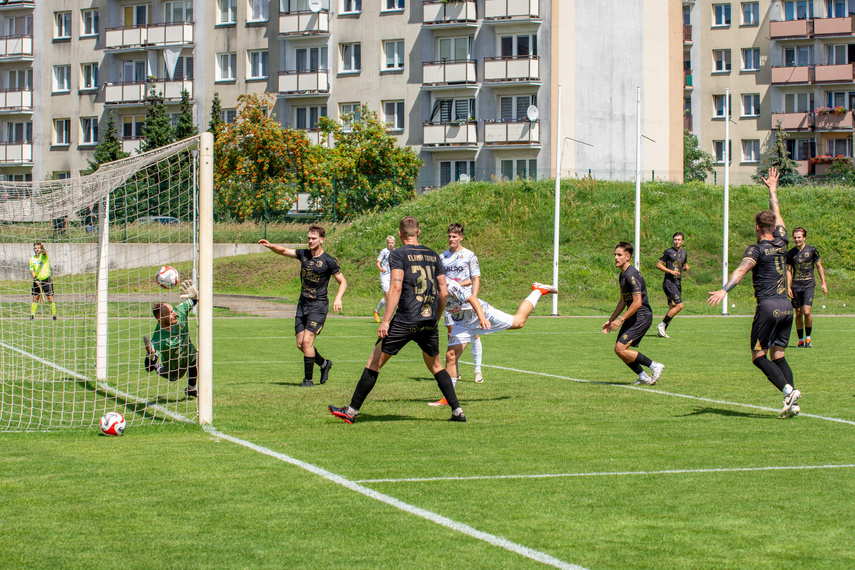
x=727 y=413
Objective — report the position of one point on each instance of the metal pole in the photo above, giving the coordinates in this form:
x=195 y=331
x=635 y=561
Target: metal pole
x=206 y=277
x=638 y=178
x=102 y=324
x=726 y=236
x=558 y=144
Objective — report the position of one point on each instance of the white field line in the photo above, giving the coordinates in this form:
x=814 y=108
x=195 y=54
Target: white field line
x=609 y=473
x=398 y=504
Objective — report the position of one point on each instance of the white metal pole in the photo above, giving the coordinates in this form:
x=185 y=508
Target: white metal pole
x=638 y=178
x=558 y=144
x=102 y=323
x=726 y=232
x=206 y=277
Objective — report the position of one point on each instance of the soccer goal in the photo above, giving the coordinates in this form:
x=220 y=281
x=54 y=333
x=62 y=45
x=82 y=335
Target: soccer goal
x=71 y=339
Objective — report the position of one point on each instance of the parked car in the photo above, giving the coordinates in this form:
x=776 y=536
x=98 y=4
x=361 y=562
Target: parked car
x=165 y=220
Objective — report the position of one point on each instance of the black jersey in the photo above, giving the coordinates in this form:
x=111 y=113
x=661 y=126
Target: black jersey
x=421 y=266
x=768 y=271
x=803 y=263
x=315 y=273
x=674 y=261
x=632 y=283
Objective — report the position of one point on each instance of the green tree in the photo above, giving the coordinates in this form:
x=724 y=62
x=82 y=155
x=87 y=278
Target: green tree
x=697 y=164
x=779 y=157
x=185 y=127
x=216 y=115
x=158 y=130
x=109 y=148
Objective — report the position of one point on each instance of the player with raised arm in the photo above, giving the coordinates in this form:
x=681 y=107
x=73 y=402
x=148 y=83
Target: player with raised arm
x=383 y=266
x=417 y=299
x=316 y=268
x=42 y=284
x=673 y=264
x=170 y=352
x=773 y=318
x=801 y=261
x=637 y=319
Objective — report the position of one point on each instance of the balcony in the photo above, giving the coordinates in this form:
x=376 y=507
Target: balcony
x=515 y=69
x=792 y=75
x=803 y=167
x=687 y=34
x=459 y=135
x=792 y=29
x=16 y=100
x=832 y=122
x=316 y=137
x=145 y=37
x=793 y=121
x=17 y=4
x=453 y=13
x=833 y=26
x=135 y=92
x=687 y=79
x=304 y=23
x=16 y=153
x=687 y=122
x=304 y=82
x=834 y=73
x=131 y=145
x=16 y=47
x=512 y=133
x=511 y=11
x=453 y=72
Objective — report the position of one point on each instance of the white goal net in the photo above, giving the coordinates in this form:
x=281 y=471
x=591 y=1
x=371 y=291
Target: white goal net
x=78 y=258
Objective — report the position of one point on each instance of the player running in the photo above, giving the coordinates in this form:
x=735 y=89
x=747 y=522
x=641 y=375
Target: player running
x=383 y=266
x=42 y=284
x=801 y=282
x=637 y=319
x=773 y=318
x=418 y=292
x=672 y=263
x=317 y=267
x=170 y=352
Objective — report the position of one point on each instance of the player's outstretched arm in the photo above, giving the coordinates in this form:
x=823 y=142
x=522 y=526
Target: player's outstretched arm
x=483 y=323
x=771 y=182
x=281 y=250
x=735 y=277
x=342 y=287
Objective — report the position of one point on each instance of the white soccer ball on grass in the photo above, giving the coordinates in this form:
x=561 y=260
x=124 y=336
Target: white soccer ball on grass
x=167 y=277
x=113 y=423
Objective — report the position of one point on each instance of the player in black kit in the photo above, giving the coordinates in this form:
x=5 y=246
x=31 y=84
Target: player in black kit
x=673 y=264
x=637 y=319
x=418 y=292
x=316 y=268
x=773 y=317
x=801 y=282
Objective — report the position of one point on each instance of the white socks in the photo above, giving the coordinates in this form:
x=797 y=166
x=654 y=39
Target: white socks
x=534 y=297
x=476 y=353
x=380 y=306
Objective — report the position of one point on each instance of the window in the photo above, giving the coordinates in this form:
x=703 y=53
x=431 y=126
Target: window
x=455 y=49
x=132 y=127
x=836 y=8
x=351 y=6
x=257 y=64
x=798 y=10
x=718 y=151
x=751 y=105
x=798 y=56
x=20 y=79
x=520 y=45
x=351 y=57
x=20 y=26
x=687 y=15
x=136 y=16
x=63 y=26
x=719 y=106
x=839 y=147
x=453 y=110
x=394 y=114
x=394 y=51
x=516 y=108
x=460 y=168
x=61 y=174
x=307 y=117
x=801 y=149
x=183 y=69
x=89 y=130
x=134 y=71
x=228 y=11
x=798 y=103
x=177 y=12
x=258 y=10
x=311 y=59
x=228 y=115
x=89 y=76
x=519 y=168
x=62 y=131
x=721 y=14
x=393 y=5
x=19 y=132
x=61 y=78
x=751 y=151
x=721 y=59
x=226 y=63
x=751 y=59
x=840 y=54
x=750 y=13
x=348 y=113
x=91 y=25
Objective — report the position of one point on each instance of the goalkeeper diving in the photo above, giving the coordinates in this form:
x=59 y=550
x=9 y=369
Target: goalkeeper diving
x=169 y=352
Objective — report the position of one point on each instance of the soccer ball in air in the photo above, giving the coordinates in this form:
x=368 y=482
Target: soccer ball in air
x=113 y=423
x=167 y=277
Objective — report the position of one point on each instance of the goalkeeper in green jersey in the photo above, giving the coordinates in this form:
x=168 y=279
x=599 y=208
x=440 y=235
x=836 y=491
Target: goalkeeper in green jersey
x=170 y=352
x=42 y=285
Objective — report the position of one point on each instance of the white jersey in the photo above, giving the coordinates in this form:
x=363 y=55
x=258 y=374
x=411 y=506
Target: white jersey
x=461 y=266
x=383 y=259
x=465 y=321
x=458 y=307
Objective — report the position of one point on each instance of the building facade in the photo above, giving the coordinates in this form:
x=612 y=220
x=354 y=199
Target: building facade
x=471 y=85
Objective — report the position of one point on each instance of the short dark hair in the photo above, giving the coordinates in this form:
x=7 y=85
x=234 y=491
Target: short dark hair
x=800 y=229
x=157 y=309
x=765 y=220
x=317 y=229
x=627 y=247
x=455 y=228
x=409 y=227
x=678 y=234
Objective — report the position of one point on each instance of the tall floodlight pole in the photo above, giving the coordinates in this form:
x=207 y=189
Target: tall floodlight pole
x=638 y=178
x=726 y=153
x=558 y=144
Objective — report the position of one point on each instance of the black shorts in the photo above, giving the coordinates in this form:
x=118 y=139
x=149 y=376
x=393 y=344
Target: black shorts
x=425 y=334
x=634 y=329
x=674 y=291
x=310 y=318
x=42 y=287
x=773 y=320
x=803 y=296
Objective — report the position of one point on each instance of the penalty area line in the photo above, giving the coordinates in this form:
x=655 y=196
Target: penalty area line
x=398 y=504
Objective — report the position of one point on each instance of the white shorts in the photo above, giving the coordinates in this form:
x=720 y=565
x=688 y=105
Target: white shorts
x=464 y=331
x=385 y=280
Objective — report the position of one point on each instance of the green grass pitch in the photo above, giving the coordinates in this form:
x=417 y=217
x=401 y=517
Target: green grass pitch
x=561 y=455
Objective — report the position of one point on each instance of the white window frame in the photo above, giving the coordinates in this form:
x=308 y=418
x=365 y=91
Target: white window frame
x=750 y=150
x=722 y=16
x=393 y=55
x=802 y=56
x=454 y=45
x=750 y=56
x=231 y=59
x=184 y=68
x=258 y=68
x=311 y=114
x=451 y=170
x=185 y=7
x=393 y=5
x=351 y=6
x=92 y=69
x=719 y=107
x=518 y=168
x=721 y=61
x=61 y=78
x=394 y=113
x=25 y=128
x=137 y=123
x=345 y=109
x=62 y=132
x=307 y=52
x=351 y=57
x=832 y=146
x=88 y=130
x=258 y=11
x=228 y=116
x=227 y=9
x=751 y=105
x=514 y=40
x=20 y=79
x=718 y=151
x=62 y=26
x=519 y=106
x=837 y=54
x=750 y=13
x=91 y=20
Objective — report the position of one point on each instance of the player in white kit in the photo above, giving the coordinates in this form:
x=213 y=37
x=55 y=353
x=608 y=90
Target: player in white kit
x=383 y=266
x=461 y=265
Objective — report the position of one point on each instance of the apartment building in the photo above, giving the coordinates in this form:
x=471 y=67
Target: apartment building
x=471 y=85
x=787 y=62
